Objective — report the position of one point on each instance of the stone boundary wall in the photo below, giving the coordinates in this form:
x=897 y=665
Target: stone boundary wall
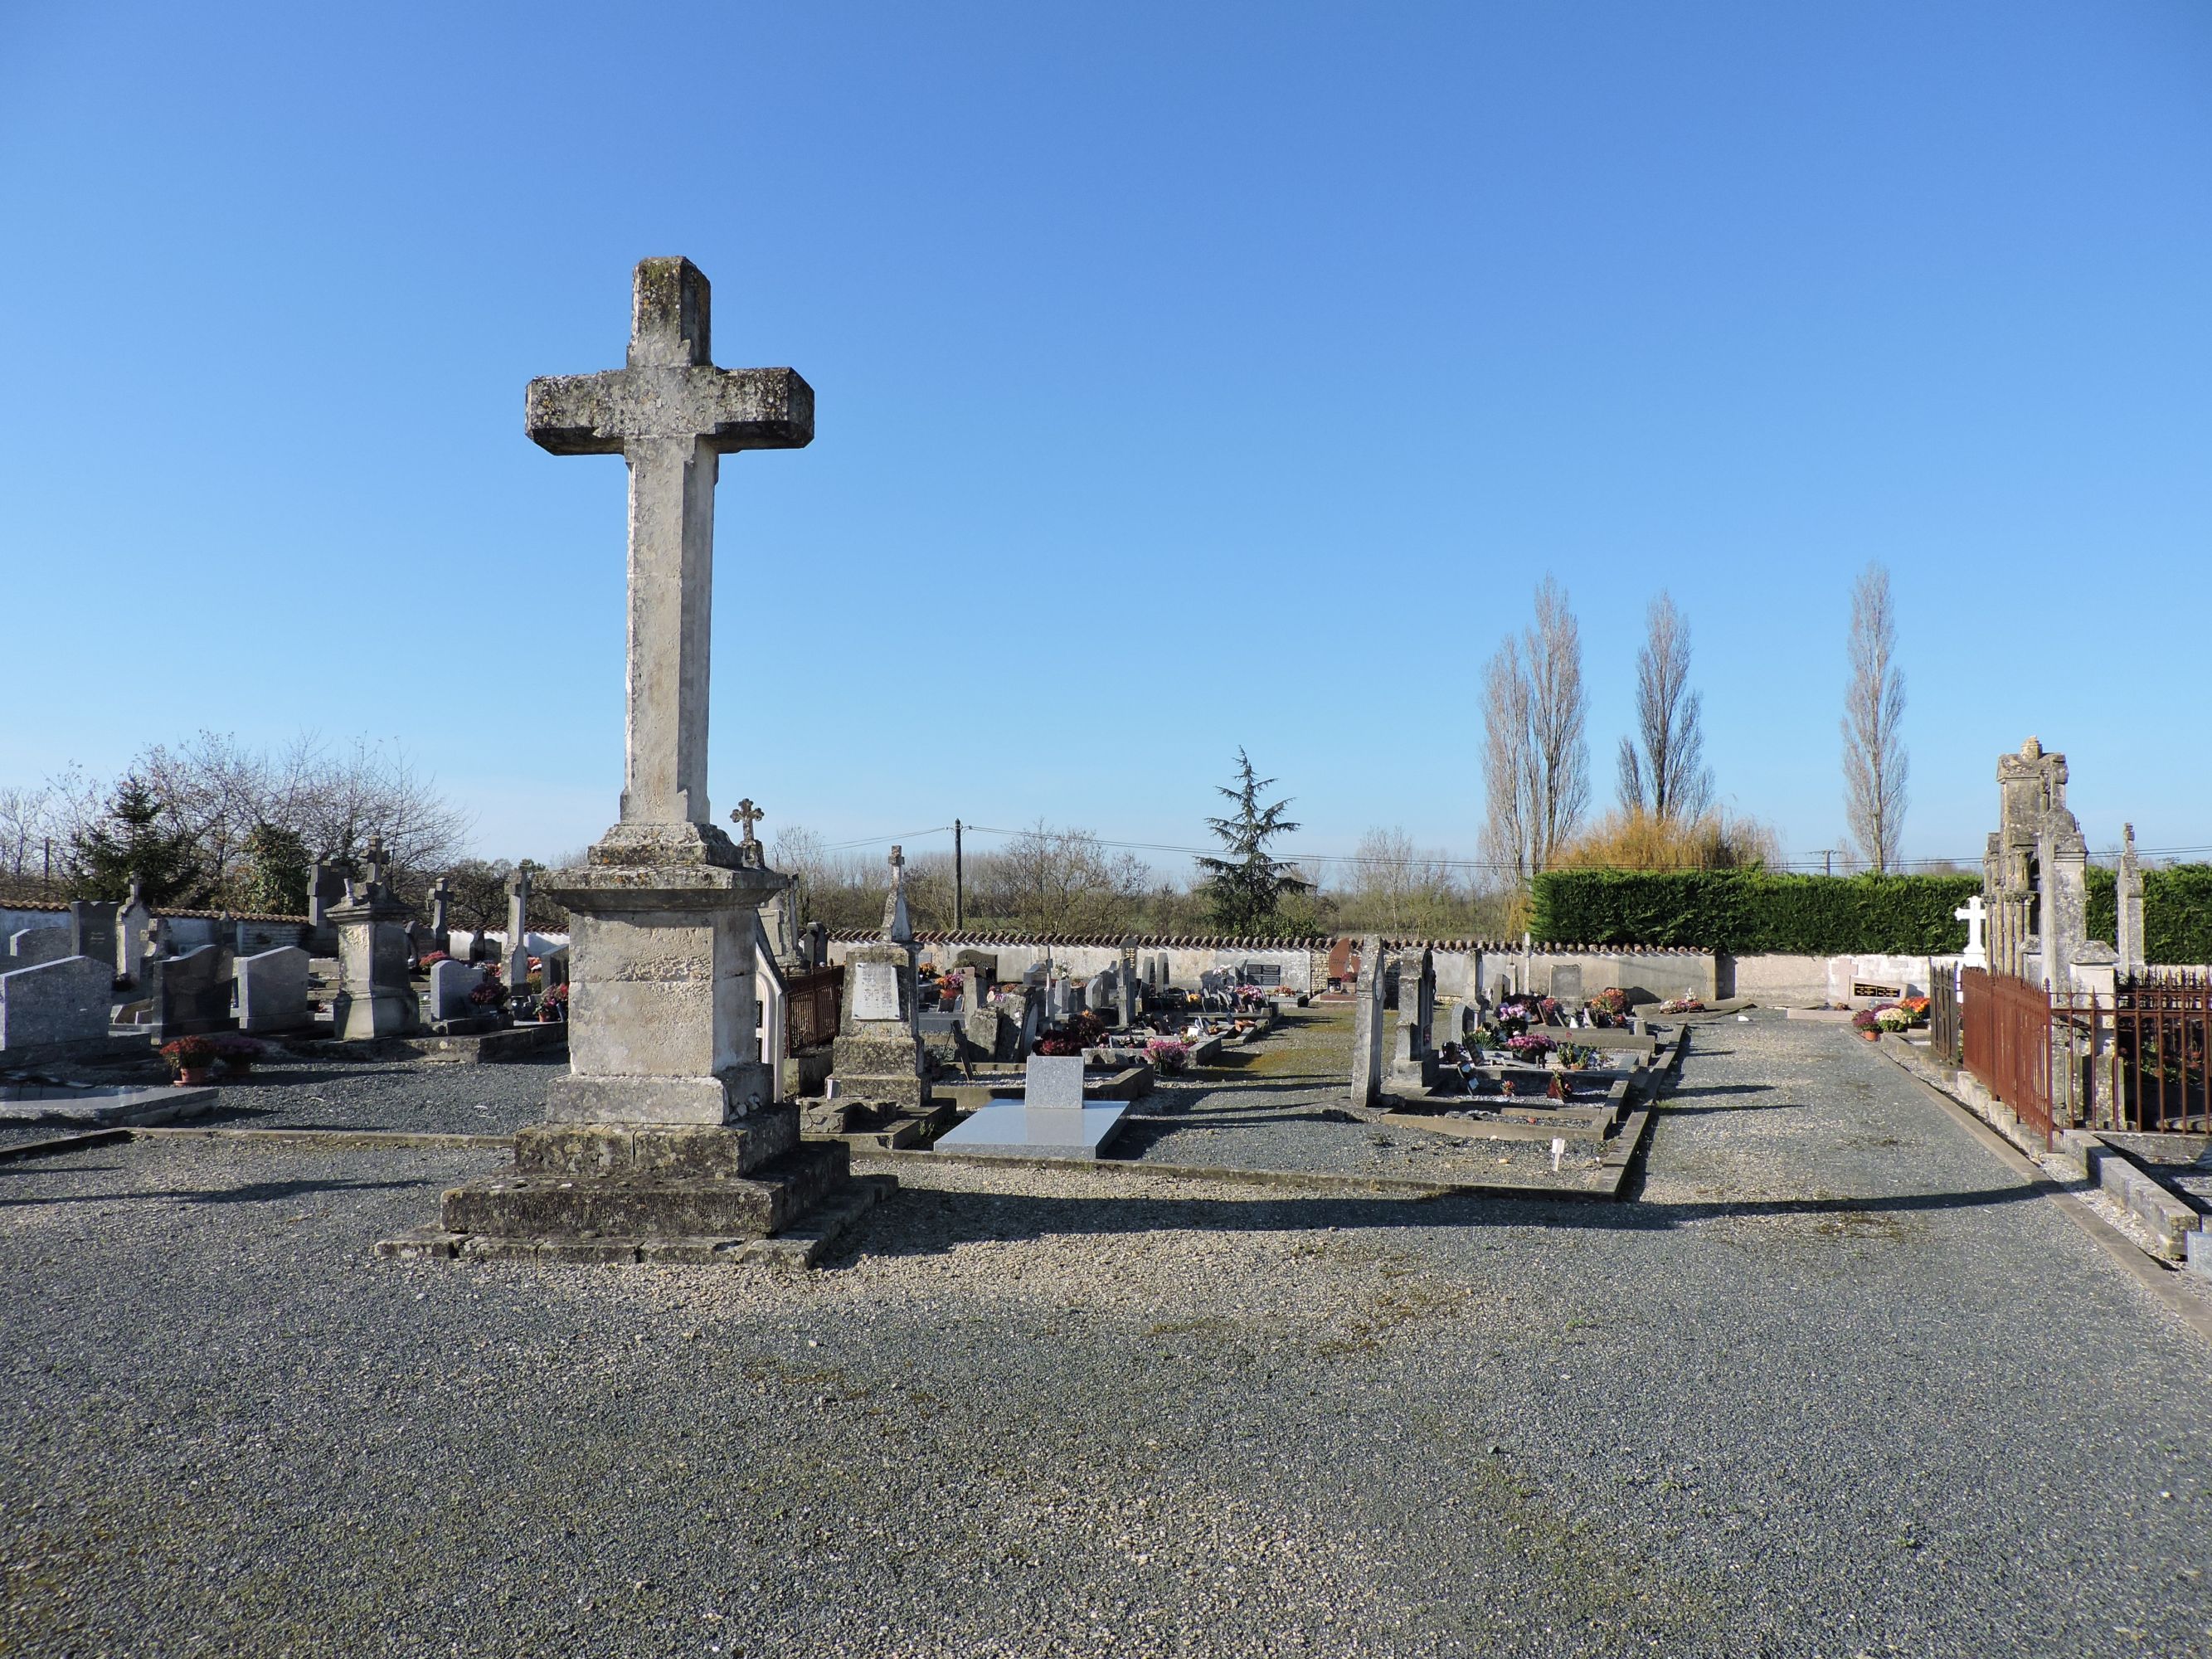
x=1462 y=965
x=1781 y=981
x=188 y=929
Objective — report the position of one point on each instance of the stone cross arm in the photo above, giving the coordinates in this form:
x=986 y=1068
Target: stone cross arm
x=725 y=409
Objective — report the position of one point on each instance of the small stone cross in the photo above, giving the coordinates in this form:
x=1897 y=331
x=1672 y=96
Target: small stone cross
x=670 y=414
x=374 y=856
x=898 y=865
x=744 y=818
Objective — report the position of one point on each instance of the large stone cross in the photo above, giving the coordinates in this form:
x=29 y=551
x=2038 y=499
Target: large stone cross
x=671 y=414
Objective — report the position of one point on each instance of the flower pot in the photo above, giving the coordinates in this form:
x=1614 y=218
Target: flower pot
x=1871 y=1036
x=194 y=1076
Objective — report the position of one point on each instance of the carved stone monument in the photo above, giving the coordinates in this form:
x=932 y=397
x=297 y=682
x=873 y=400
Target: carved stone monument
x=2035 y=878
x=377 y=998
x=663 y=1141
x=879 y=1059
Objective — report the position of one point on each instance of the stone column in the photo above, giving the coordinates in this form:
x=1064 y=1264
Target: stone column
x=2129 y=895
x=515 y=965
x=1369 y=1019
x=441 y=899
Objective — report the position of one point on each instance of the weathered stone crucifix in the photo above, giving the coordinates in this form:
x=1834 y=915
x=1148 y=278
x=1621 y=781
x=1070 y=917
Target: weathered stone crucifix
x=745 y=817
x=671 y=414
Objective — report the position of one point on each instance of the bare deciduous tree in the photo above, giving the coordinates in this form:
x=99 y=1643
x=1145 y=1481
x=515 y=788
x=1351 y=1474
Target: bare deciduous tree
x=225 y=796
x=1875 y=761
x=1536 y=756
x=1662 y=770
x=1506 y=766
x=1557 y=753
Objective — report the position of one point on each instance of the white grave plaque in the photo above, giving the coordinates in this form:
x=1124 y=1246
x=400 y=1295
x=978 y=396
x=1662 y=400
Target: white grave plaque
x=876 y=992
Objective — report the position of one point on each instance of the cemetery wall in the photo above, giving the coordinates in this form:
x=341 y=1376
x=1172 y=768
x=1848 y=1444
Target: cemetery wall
x=1299 y=963
x=1462 y=965
x=1781 y=980
x=188 y=929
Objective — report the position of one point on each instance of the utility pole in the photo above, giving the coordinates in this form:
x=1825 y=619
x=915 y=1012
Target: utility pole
x=959 y=882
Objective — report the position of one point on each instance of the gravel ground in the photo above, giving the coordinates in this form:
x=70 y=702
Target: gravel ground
x=1836 y=1383
x=419 y=1096
x=1278 y=1104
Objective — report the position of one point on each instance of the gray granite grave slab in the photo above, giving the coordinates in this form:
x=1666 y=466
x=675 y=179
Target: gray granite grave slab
x=272 y=990
x=32 y=946
x=60 y=1002
x=1014 y=1129
x=101 y=1108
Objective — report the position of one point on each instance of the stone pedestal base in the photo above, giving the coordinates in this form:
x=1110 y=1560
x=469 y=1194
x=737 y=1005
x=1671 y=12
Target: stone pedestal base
x=598 y=1193
x=380 y=1013
x=891 y=1070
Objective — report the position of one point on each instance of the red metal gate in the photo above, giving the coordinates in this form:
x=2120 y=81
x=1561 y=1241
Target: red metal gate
x=2160 y=1022
x=812 y=1002
x=2006 y=1025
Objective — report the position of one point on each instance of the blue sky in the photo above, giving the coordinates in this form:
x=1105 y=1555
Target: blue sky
x=1187 y=376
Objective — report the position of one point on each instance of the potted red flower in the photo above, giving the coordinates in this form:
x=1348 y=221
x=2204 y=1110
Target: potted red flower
x=192 y=1059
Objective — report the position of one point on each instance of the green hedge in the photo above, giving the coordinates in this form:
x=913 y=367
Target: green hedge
x=2177 y=913
x=1745 y=911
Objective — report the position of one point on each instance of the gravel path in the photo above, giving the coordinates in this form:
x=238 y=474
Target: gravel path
x=1836 y=1383
x=416 y=1095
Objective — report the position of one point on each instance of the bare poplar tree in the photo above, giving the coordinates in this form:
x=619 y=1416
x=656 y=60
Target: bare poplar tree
x=1662 y=770
x=1557 y=753
x=1506 y=768
x=1875 y=761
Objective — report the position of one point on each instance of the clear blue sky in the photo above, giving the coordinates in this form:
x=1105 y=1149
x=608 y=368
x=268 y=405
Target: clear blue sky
x=1188 y=375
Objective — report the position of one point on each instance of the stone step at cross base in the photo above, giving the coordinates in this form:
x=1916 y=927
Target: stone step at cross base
x=610 y=1193
x=803 y=1244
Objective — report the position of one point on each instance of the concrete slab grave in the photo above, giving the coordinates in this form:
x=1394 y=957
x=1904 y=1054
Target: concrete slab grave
x=1051 y=1120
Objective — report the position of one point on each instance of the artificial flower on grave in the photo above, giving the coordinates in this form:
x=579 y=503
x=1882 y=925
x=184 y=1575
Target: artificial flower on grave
x=1168 y=1054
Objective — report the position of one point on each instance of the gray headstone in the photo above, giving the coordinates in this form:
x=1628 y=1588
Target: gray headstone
x=91 y=931
x=34 y=945
x=272 y=989
x=1567 y=982
x=64 y=1000
x=326 y=887
x=194 y=995
x=1053 y=1082
x=451 y=983
x=132 y=923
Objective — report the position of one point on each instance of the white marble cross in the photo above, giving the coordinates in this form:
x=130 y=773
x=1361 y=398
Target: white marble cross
x=1973 y=912
x=670 y=414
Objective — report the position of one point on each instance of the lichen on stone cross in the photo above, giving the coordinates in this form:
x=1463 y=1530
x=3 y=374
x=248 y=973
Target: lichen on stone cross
x=671 y=414
x=745 y=817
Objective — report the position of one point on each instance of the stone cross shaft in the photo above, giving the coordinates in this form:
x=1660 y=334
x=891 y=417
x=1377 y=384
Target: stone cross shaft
x=671 y=414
